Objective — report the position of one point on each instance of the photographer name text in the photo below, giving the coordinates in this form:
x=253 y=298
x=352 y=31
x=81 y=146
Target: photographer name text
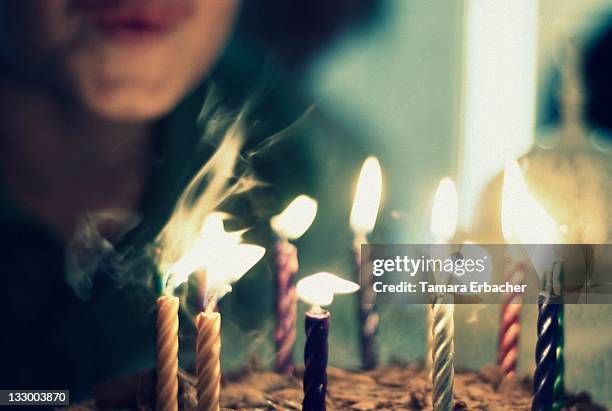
x=426 y=287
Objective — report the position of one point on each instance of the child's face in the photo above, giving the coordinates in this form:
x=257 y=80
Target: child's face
x=128 y=60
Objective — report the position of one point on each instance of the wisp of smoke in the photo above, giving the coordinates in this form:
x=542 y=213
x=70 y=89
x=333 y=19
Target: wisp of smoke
x=221 y=177
x=89 y=251
x=225 y=174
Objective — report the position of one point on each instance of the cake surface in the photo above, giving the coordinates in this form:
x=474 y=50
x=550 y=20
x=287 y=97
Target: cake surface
x=385 y=388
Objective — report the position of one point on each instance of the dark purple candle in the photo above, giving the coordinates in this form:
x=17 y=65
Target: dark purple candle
x=544 y=376
x=315 y=361
x=285 y=268
x=368 y=317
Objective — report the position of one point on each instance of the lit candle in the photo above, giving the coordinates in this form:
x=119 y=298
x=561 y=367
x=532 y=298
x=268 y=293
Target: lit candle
x=363 y=218
x=288 y=225
x=529 y=223
x=225 y=260
x=318 y=290
x=208 y=360
x=228 y=266
x=443 y=225
x=315 y=359
x=167 y=353
x=181 y=246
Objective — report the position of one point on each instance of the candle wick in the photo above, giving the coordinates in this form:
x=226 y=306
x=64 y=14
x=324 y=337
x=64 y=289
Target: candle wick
x=211 y=301
x=547 y=288
x=557 y=278
x=316 y=309
x=439 y=298
x=166 y=280
x=361 y=237
x=280 y=237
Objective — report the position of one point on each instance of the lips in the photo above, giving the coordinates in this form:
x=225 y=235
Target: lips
x=132 y=18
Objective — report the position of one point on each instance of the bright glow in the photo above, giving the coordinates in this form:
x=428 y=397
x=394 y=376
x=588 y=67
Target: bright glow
x=367 y=197
x=213 y=226
x=212 y=234
x=195 y=205
x=444 y=211
x=319 y=289
x=296 y=218
x=229 y=265
x=219 y=253
x=523 y=218
x=499 y=91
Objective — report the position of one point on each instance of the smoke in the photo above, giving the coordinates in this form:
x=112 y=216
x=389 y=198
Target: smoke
x=225 y=174
x=89 y=251
x=473 y=315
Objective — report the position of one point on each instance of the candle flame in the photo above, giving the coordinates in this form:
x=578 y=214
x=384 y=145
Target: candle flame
x=195 y=204
x=219 y=253
x=229 y=266
x=296 y=218
x=319 y=289
x=223 y=175
x=367 y=197
x=523 y=218
x=526 y=221
x=444 y=212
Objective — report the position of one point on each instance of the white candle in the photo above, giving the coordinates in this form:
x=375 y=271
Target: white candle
x=363 y=218
x=443 y=225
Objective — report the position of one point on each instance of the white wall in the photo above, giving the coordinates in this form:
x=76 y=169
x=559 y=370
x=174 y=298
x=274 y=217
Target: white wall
x=402 y=90
x=397 y=90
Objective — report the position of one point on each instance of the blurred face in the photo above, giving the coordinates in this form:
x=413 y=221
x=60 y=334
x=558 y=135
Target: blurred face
x=126 y=60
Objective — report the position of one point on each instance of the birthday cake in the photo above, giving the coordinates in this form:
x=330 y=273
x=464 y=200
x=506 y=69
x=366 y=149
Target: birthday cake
x=385 y=388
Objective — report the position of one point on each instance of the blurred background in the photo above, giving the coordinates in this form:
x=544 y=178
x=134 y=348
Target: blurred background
x=439 y=88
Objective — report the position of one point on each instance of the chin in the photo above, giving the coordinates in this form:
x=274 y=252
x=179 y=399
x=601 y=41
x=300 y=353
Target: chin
x=129 y=105
x=131 y=110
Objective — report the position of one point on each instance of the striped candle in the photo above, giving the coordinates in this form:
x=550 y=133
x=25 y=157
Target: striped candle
x=208 y=360
x=285 y=267
x=167 y=353
x=508 y=348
